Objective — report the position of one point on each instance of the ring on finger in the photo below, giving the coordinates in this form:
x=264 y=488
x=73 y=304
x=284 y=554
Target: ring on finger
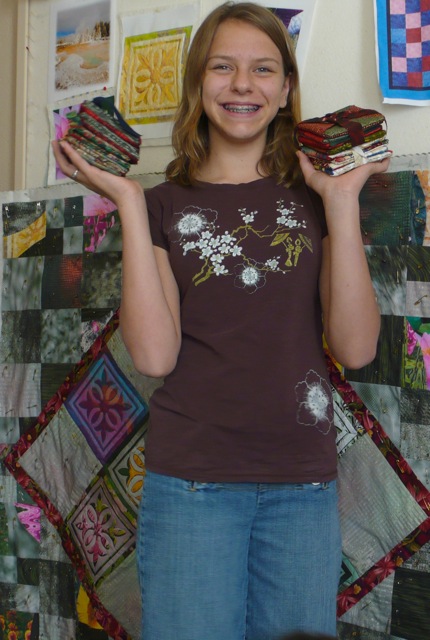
x=74 y=174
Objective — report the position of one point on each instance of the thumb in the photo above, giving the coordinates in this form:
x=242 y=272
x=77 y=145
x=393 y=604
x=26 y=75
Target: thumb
x=305 y=165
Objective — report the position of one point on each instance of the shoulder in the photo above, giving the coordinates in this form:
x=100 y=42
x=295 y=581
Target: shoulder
x=161 y=196
x=162 y=190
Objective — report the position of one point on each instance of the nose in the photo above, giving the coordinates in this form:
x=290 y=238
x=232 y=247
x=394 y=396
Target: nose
x=241 y=81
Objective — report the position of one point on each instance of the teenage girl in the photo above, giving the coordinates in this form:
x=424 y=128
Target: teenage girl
x=232 y=270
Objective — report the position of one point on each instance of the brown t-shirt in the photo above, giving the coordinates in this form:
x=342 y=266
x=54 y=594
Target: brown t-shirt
x=249 y=399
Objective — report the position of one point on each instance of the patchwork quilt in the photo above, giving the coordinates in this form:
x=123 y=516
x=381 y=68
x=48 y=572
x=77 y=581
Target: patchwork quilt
x=403 y=50
x=73 y=415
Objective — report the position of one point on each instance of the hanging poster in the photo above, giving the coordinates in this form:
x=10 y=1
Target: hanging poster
x=81 y=47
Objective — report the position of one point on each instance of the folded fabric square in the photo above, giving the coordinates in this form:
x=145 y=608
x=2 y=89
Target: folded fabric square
x=103 y=138
x=344 y=139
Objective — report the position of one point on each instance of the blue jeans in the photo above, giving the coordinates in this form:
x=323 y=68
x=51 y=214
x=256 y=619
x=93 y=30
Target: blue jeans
x=236 y=561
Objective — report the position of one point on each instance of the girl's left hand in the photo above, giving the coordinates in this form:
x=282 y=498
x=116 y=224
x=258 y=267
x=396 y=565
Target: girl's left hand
x=118 y=189
x=350 y=182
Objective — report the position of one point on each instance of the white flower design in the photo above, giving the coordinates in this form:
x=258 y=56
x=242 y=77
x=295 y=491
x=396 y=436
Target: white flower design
x=188 y=246
x=273 y=264
x=217 y=258
x=191 y=224
x=247 y=217
x=206 y=252
x=194 y=221
x=249 y=276
x=286 y=218
x=220 y=270
x=197 y=231
x=315 y=405
x=214 y=242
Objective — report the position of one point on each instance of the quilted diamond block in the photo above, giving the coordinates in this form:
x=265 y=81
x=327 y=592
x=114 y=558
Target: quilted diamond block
x=127 y=471
x=101 y=530
x=105 y=406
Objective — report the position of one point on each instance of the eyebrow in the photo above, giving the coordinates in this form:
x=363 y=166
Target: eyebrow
x=221 y=56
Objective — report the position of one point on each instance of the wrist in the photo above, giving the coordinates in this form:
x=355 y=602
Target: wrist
x=131 y=195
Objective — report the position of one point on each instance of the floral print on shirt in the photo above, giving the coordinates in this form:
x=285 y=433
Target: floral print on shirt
x=314 y=398
x=222 y=253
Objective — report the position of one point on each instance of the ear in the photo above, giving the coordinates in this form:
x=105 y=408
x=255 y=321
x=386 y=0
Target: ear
x=284 y=93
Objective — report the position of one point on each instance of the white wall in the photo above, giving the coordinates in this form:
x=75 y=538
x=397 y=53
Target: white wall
x=340 y=69
x=8 y=30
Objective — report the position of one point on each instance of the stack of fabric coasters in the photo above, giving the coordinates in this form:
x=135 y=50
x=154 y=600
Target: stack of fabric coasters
x=344 y=139
x=102 y=136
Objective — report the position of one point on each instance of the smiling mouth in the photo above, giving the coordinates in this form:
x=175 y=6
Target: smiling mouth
x=241 y=108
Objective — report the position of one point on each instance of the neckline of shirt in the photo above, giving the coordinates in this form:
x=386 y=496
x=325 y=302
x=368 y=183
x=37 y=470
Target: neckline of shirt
x=249 y=185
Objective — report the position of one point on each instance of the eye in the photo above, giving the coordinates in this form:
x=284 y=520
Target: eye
x=219 y=66
x=223 y=68
x=263 y=70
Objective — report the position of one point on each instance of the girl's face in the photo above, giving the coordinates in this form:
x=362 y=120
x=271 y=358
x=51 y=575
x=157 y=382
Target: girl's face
x=244 y=84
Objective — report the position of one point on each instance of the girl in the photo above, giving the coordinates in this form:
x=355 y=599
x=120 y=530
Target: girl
x=232 y=270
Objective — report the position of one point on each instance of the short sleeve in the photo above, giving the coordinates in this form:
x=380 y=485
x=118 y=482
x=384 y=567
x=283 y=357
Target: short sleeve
x=155 y=207
x=319 y=210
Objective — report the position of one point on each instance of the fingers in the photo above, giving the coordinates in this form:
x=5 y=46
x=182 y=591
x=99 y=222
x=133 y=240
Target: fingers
x=68 y=159
x=64 y=160
x=116 y=188
x=381 y=166
x=73 y=165
x=305 y=165
x=303 y=158
x=364 y=170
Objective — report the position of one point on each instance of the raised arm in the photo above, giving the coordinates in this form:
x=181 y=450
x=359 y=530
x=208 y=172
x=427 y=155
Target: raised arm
x=149 y=316
x=351 y=315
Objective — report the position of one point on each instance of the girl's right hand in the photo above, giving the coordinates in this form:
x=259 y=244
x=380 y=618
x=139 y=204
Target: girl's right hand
x=329 y=187
x=118 y=189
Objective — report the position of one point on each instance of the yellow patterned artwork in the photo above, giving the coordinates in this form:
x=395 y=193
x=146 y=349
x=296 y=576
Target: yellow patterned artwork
x=16 y=244
x=151 y=75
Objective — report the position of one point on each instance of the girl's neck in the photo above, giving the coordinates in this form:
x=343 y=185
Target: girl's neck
x=232 y=164
x=228 y=175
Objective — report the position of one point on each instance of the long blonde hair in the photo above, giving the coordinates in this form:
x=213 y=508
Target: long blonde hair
x=190 y=130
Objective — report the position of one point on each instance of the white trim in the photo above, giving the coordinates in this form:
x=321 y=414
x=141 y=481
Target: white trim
x=20 y=154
